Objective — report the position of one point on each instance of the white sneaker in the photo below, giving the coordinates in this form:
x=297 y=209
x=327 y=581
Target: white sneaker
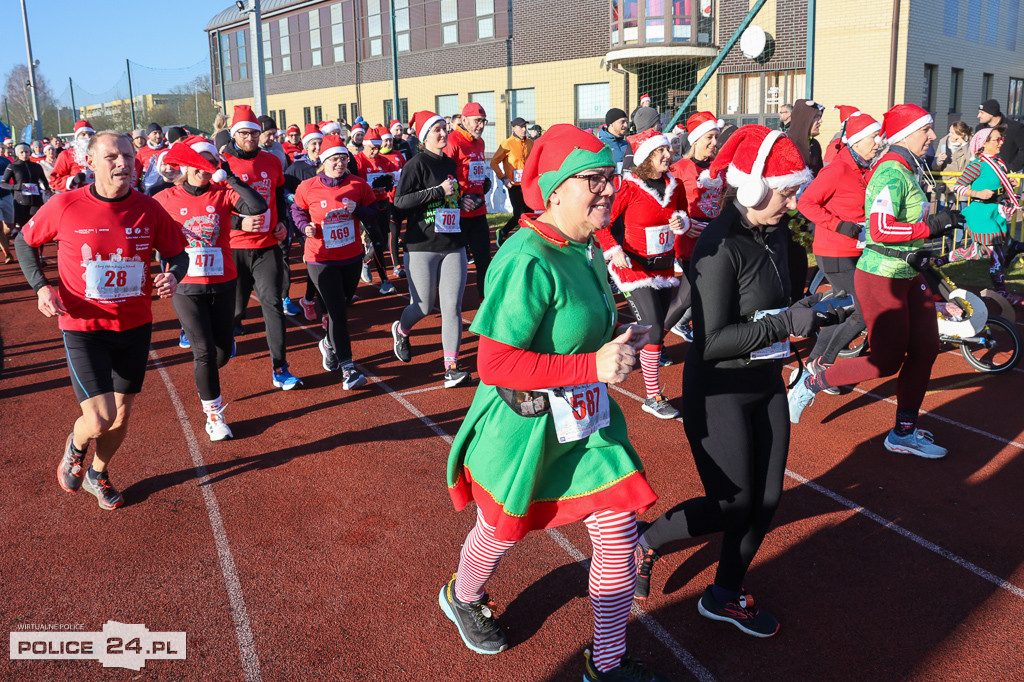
x=919 y=442
x=387 y=288
x=218 y=429
x=366 y=275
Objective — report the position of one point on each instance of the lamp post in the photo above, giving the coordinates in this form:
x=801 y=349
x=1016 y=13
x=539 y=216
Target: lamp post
x=259 y=96
x=37 y=125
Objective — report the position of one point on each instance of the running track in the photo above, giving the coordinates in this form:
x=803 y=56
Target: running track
x=313 y=546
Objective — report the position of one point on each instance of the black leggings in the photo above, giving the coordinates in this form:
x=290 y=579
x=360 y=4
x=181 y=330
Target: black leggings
x=478 y=237
x=395 y=220
x=831 y=340
x=660 y=308
x=737 y=423
x=207 y=321
x=260 y=269
x=336 y=284
x=377 y=239
x=519 y=207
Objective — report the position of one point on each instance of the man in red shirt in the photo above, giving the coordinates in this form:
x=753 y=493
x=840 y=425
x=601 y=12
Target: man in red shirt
x=255 y=247
x=106 y=234
x=155 y=143
x=467 y=150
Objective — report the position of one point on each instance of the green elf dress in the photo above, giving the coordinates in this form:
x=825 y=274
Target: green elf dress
x=986 y=219
x=548 y=295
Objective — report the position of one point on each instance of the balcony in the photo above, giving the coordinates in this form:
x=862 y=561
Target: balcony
x=661 y=30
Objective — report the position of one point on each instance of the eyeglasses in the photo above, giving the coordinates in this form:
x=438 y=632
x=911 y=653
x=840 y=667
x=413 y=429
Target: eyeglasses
x=598 y=181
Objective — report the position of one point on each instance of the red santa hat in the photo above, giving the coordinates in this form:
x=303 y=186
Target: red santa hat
x=83 y=127
x=373 y=137
x=384 y=132
x=244 y=119
x=355 y=127
x=330 y=128
x=423 y=121
x=312 y=133
x=645 y=97
x=473 y=109
x=199 y=145
x=754 y=152
x=293 y=128
x=644 y=143
x=394 y=122
x=856 y=124
x=332 y=145
x=183 y=155
x=902 y=120
x=701 y=124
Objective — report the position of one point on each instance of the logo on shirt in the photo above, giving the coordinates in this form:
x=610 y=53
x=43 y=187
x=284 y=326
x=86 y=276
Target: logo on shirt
x=211 y=209
x=323 y=203
x=263 y=174
x=202 y=230
x=184 y=211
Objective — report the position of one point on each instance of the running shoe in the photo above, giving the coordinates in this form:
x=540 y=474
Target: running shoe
x=70 y=471
x=918 y=442
x=183 y=341
x=100 y=486
x=351 y=378
x=628 y=670
x=308 y=309
x=330 y=362
x=813 y=367
x=399 y=271
x=740 y=611
x=800 y=397
x=216 y=428
x=290 y=309
x=475 y=621
x=402 y=349
x=683 y=330
x=645 y=558
x=387 y=288
x=665 y=360
x=365 y=275
x=659 y=407
x=284 y=379
x=454 y=376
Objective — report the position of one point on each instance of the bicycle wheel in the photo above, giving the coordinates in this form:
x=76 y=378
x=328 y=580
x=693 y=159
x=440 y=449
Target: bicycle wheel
x=1001 y=350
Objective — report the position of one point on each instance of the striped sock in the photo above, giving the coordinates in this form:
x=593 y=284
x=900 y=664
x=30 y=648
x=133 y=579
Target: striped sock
x=650 y=356
x=478 y=560
x=612 y=581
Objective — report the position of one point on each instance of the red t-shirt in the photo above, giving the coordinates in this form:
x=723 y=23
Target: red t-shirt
x=473 y=166
x=264 y=174
x=205 y=222
x=326 y=211
x=104 y=252
x=145 y=153
x=370 y=169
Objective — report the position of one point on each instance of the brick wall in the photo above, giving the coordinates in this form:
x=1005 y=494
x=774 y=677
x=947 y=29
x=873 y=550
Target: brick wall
x=783 y=20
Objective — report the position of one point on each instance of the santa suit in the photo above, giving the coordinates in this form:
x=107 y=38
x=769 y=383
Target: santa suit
x=703 y=203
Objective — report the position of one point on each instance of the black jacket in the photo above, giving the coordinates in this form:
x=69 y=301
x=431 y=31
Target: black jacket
x=1012 y=152
x=25 y=171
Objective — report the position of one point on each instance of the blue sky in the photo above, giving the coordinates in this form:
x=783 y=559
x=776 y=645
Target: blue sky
x=89 y=41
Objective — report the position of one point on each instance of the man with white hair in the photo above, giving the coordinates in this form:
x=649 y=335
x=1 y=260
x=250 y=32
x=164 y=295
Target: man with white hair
x=71 y=170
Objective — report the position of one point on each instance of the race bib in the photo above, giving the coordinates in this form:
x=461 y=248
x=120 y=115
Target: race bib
x=579 y=411
x=396 y=174
x=107 y=280
x=338 y=232
x=477 y=171
x=779 y=349
x=517 y=175
x=205 y=261
x=659 y=240
x=30 y=188
x=372 y=177
x=446 y=220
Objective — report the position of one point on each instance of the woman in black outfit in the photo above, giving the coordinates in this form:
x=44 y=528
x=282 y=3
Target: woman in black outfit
x=734 y=401
x=29 y=184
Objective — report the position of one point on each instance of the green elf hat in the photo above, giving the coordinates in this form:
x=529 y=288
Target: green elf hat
x=562 y=151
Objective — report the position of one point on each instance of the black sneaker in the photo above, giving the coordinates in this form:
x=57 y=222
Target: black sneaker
x=402 y=350
x=741 y=612
x=454 y=376
x=645 y=558
x=330 y=360
x=70 y=472
x=100 y=486
x=628 y=670
x=474 y=620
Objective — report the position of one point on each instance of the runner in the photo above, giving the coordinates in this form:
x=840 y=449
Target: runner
x=653 y=206
x=390 y=149
x=508 y=164
x=466 y=149
x=256 y=252
x=71 y=170
x=378 y=172
x=834 y=202
x=549 y=322
x=27 y=179
x=155 y=143
x=329 y=208
x=293 y=145
x=435 y=246
x=734 y=401
x=205 y=299
x=892 y=296
x=304 y=168
x=105 y=235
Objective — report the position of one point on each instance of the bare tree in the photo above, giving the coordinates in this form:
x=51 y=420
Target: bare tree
x=19 y=101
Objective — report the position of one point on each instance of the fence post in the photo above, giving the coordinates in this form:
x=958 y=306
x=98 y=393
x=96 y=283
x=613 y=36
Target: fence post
x=131 y=97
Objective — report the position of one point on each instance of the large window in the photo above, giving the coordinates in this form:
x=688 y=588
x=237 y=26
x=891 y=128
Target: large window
x=402 y=24
x=446 y=105
x=928 y=87
x=307 y=116
x=484 y=19
x=282 y=121
x=592 y=102
x=449 y=21
x=343 y=112
x=225 y=58
x=486 y=100
x=956 y=82
x=242 y=71
x=373 y=28
x=756 y=97
x=355 y=111
x=521 y=104
x=337 y=33
x=314 y=37
x=1015 y=97
x=268 y=58
x=660 y=21
x=285 y=44
x=318 y=114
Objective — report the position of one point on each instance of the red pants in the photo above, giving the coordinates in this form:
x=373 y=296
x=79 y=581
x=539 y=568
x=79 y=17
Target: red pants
x=904 y=337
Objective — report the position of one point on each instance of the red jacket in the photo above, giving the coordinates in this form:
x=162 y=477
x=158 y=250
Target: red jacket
x=703 y=204
x=836 y=195
x=468 y=154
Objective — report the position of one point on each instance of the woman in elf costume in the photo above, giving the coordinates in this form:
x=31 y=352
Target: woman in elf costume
x=543 y=443
x=993 y=197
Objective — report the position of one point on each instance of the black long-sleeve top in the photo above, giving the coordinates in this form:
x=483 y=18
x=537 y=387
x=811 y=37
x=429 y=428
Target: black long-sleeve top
x=419 y=194
x=21 y=172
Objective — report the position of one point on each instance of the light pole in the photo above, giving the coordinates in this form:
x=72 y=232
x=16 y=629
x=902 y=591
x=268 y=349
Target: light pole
x=259 y=96
x=37 y=125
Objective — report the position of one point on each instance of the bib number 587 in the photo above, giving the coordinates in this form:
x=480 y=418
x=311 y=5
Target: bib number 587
x=586 y=404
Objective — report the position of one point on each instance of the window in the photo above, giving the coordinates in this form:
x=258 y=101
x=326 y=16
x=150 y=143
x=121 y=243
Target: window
x=592 y=101
x=449 y=17
x=225 y=58
x=446 y=105
x=401 y=8
x=343 y=112
x=752 y=93
x=355 y=111
x=282 y=121
x=337 y=33
x=654 y=24
x=307 y=117
x=1016 y=97
x=318 y=114
x=986 y=86
x=757 y=97
x=268 y=59
x=521 y=104
x=285 y=45
x=242 y=71
x=373 y=27
x=956 y=80
x=485 y=19
x=314 y=36
x=389 y=110
x=486 y=100
x=928 y=87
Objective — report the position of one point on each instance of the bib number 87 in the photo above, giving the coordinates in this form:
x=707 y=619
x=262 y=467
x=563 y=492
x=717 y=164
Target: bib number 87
x=118 y=278
x=586 y=404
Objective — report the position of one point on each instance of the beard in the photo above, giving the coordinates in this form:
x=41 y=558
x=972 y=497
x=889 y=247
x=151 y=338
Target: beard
x=80 y=147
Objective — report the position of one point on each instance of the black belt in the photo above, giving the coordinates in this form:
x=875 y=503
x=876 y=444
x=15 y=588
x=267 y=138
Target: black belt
x=663 y=261
x=525 y=403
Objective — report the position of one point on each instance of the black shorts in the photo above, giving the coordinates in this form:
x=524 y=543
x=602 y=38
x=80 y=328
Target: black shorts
x=107 y=361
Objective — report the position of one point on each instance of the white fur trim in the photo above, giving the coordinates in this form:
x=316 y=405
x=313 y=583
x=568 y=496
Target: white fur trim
x=703 y=129
x=705 y=180
x=244 y=125
x=686 y=222
x=67 y=183
x=658 y=282
x=331 y=151
x=857 y=137
x=648 y=146
x=83 y=129
x=311 y=136
x=612 y=251
x=427 y=125
x=331 y=128
x=735 y=177
x=220 y=175
x=204 y=146
x=670 y=187
x=916 y=125
x=376 y=143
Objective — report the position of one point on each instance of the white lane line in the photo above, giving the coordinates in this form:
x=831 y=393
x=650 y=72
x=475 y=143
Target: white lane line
x=243 y=628
x=421 y=390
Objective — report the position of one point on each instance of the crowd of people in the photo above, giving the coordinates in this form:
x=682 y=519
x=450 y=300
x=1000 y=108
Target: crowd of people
x=689 y=226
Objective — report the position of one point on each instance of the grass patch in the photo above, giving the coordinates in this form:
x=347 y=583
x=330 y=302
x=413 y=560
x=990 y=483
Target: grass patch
x=497 y=219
